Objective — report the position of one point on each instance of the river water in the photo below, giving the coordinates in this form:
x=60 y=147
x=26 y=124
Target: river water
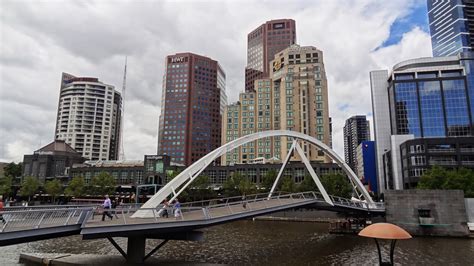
x=270 y=243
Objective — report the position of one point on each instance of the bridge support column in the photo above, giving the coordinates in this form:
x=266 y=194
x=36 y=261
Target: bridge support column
x=136 y=249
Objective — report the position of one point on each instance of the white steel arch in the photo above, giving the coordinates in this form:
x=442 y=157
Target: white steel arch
x=190 y=173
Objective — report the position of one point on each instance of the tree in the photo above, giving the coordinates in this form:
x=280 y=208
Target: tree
x=238 y=185
x=245 y=186
x=463 y=179
x=76 y=187
x=6 y=186
x=103 y=184
x=269 y=179
x=307 y=184
x=438 y=177
x=13 y=170
x=53 y=188
x=288 y=185
x=230 y=186
x=337 y=185
x=201 y=188
x=29 y=187
x=170 y=174
x=433 y=178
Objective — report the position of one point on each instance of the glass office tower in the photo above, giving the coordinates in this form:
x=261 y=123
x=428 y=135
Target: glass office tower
x=430 y=108
x=427 y=101
x=451 y=26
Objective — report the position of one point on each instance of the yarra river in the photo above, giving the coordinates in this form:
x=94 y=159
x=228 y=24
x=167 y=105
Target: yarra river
x=270 y=243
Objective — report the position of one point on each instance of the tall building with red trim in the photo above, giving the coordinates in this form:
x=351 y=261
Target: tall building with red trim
x=192 y=104
x=263 y=43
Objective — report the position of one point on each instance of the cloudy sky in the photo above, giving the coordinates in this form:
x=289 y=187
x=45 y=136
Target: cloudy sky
x=41 y=39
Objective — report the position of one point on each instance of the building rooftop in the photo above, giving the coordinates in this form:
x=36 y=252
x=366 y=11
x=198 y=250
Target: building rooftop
x=56 y=146
x=105 y=164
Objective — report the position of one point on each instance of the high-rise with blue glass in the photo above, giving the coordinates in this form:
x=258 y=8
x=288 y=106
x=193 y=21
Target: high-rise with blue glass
x=451 y=26
x=428 y=98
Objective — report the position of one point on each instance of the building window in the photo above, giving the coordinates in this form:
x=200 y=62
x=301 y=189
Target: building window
x=432 y=116
x=404 y=76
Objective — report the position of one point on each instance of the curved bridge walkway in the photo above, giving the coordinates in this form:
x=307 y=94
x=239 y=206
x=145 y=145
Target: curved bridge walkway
x=37 y=224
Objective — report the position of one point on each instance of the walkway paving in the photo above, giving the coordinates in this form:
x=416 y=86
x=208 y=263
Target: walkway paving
x=190 y=213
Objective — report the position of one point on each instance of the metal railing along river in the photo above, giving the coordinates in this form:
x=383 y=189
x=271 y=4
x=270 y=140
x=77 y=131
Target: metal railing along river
x=35 y=217
x=28 y=219
x=214 y=208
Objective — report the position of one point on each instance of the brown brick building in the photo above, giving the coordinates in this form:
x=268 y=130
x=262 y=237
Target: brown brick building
x=193 y=101
x=263 y=43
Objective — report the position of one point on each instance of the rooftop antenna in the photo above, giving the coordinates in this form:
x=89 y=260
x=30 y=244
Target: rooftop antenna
x=124 y=85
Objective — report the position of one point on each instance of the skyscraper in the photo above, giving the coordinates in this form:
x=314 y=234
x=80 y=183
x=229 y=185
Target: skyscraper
x=429 y=101
x=451 y=26
x=421 y=98
x=89 y=117
x=262 y=45
x=356 y=130
x=299 y=77
x=381 y=113
x=192 y=104
x=294 y=97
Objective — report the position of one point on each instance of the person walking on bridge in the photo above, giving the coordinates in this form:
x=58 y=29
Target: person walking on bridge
x=115 y=203
x=177 y=209
x=1 y=210
x=107 y=204
x=244 y=201
x=164 y=211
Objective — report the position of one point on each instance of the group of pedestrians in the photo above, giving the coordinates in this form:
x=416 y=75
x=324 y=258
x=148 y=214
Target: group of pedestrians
x=112 y=204
x=176 y=208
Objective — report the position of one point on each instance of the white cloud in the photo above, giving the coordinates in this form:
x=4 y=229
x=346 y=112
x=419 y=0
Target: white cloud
x=91 y=38
x=356 y=92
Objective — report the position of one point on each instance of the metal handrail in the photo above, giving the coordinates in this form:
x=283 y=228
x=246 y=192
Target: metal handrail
x=40 y=218
x=48 y=207
x=44 y=217
x=206 y=212
x=237 y=198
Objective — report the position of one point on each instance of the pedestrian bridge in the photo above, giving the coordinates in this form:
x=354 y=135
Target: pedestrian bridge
x=138 y=223
x=39 y=223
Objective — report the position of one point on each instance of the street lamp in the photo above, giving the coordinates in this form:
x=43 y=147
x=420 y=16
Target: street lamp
x=385 y=231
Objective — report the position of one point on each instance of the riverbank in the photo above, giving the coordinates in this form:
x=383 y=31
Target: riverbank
x=63 y=259
x=296 y=219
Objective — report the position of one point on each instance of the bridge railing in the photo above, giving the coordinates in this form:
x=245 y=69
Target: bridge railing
x=201 y=210
x=356 y=203
x=208 y=209
x=204 y=203
x=122 y=216
x=48 y=207
x=258 y=201
x=42 y=218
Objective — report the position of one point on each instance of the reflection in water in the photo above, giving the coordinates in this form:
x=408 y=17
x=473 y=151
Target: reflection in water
x=276 y=243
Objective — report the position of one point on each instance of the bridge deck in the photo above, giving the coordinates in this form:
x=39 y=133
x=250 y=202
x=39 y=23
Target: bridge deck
x=35 y=224
x=189 y=214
